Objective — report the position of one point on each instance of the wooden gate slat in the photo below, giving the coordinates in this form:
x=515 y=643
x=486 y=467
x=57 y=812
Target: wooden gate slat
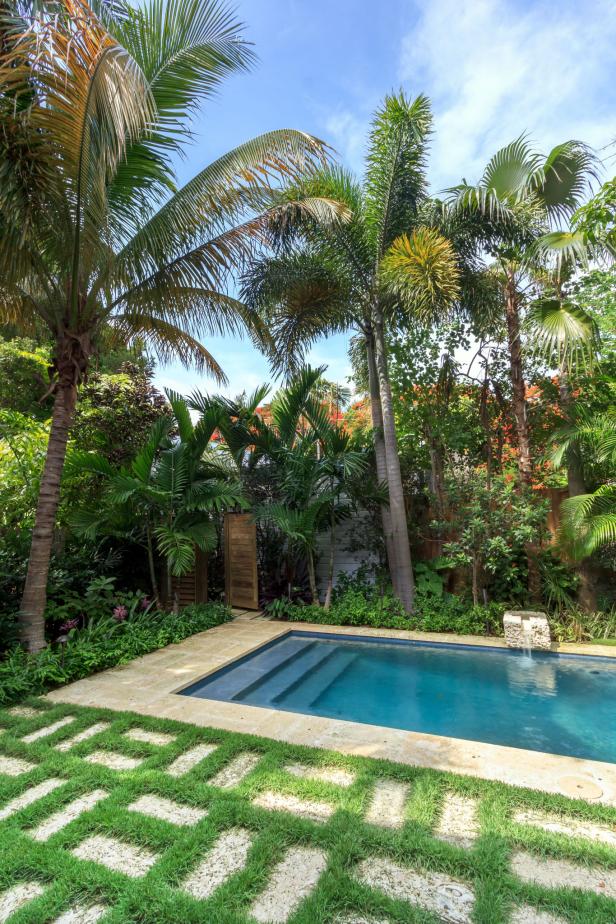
x=241 y=581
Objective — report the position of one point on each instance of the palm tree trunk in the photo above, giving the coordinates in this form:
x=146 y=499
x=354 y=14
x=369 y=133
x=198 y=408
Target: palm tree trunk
x=402 y=573
x=314 y=592
x=379 y=450
x=330 y=566
x=518 y=385
x=152 y=567
x=34 y=599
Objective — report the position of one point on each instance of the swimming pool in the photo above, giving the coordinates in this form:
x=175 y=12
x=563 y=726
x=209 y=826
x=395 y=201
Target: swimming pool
x=563 y=704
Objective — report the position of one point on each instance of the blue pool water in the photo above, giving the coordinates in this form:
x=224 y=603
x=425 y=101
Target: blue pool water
x=564 y=704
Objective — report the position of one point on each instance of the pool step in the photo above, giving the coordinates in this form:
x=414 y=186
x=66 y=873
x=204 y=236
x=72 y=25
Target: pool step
x=278 y=682
x=232 y=684
x=314 y=685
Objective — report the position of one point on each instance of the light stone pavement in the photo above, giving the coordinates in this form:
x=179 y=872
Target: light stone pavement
x=297 y=874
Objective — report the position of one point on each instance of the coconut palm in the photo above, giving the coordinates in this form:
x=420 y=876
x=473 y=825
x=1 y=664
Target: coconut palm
x=520 y=196
x=96 y=242
x=358 y=273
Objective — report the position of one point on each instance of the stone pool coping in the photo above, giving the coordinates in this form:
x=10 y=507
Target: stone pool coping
x=149 y=686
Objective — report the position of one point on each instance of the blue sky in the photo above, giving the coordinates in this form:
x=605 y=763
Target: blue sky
x=492 y=68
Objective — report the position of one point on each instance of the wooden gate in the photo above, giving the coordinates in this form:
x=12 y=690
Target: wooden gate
x=241 y=584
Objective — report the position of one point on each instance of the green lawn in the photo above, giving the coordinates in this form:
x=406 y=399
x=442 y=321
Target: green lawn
x=344 y=840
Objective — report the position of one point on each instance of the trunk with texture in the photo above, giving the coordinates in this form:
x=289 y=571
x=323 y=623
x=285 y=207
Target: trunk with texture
x=379 y=451
x=402 y=573
x=518 y=386
x=34 y=599
x=314 y=592
x=330 y=565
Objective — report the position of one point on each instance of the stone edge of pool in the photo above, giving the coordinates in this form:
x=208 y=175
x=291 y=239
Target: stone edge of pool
x=149 y=685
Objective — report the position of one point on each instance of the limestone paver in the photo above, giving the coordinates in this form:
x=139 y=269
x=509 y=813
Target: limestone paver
x=458 y=822
x=149 y=737
x=285 y=802
x=387 y=804
x=113 y=760
x=23 y=712
x=292 y=880
x=116 y=855
x=82 y=914
x=189 y=759
x=29 y=796
x=69 y=813
x=338 y=776
x=555 y=874
x=359 y=919
x=236 y=770
x=14 y=766
x=570 y=827
x=448 y=898
x=84 y=735
x=47 y=730
x=18 y=896
x=227 y=857
x=167 y=809
x=526 y=914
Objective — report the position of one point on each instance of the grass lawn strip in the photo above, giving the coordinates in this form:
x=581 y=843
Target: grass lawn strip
x=245 y=852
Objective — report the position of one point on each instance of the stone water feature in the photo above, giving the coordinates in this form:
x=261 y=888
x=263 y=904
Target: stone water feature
x=527 y=630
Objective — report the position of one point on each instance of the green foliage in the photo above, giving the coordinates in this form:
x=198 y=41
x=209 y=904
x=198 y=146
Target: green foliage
x=577 y=626
x=167 y=493
x=105 y=642
x=493 y=525
x=24 y=377
x=369 y=605
x=23 y=444
x=428 y=581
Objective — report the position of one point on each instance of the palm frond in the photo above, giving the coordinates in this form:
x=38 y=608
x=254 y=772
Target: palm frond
x=562 y=333
x=421 y=271
x=395 y=181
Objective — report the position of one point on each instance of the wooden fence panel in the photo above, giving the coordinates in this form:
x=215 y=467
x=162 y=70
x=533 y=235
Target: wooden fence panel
x=241 y=582
x=191 y=587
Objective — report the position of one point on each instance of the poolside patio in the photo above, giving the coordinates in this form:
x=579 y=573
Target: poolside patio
x=150 y=686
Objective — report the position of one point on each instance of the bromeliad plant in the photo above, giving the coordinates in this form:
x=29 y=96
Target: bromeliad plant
x=165 y=499
x=96 y=241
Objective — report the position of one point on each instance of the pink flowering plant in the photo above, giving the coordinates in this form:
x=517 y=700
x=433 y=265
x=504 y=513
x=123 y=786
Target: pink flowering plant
x=101 y=610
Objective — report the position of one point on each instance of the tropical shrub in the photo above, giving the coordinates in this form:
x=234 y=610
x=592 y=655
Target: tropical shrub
x=103 y=643
x=384 y=611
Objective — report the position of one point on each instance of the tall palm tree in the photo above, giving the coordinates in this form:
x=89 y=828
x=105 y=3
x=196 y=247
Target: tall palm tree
x=520 y=196
x=358 y=273
x=95 y=239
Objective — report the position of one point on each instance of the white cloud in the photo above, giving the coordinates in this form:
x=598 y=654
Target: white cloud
x=347 y=132
x=496 y=68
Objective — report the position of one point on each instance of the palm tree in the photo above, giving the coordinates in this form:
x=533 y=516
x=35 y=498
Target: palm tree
x=166 y=496
x=358 y=273
x=96 y=242
x=589 y=519
x=520 y=196
x=315 y=468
